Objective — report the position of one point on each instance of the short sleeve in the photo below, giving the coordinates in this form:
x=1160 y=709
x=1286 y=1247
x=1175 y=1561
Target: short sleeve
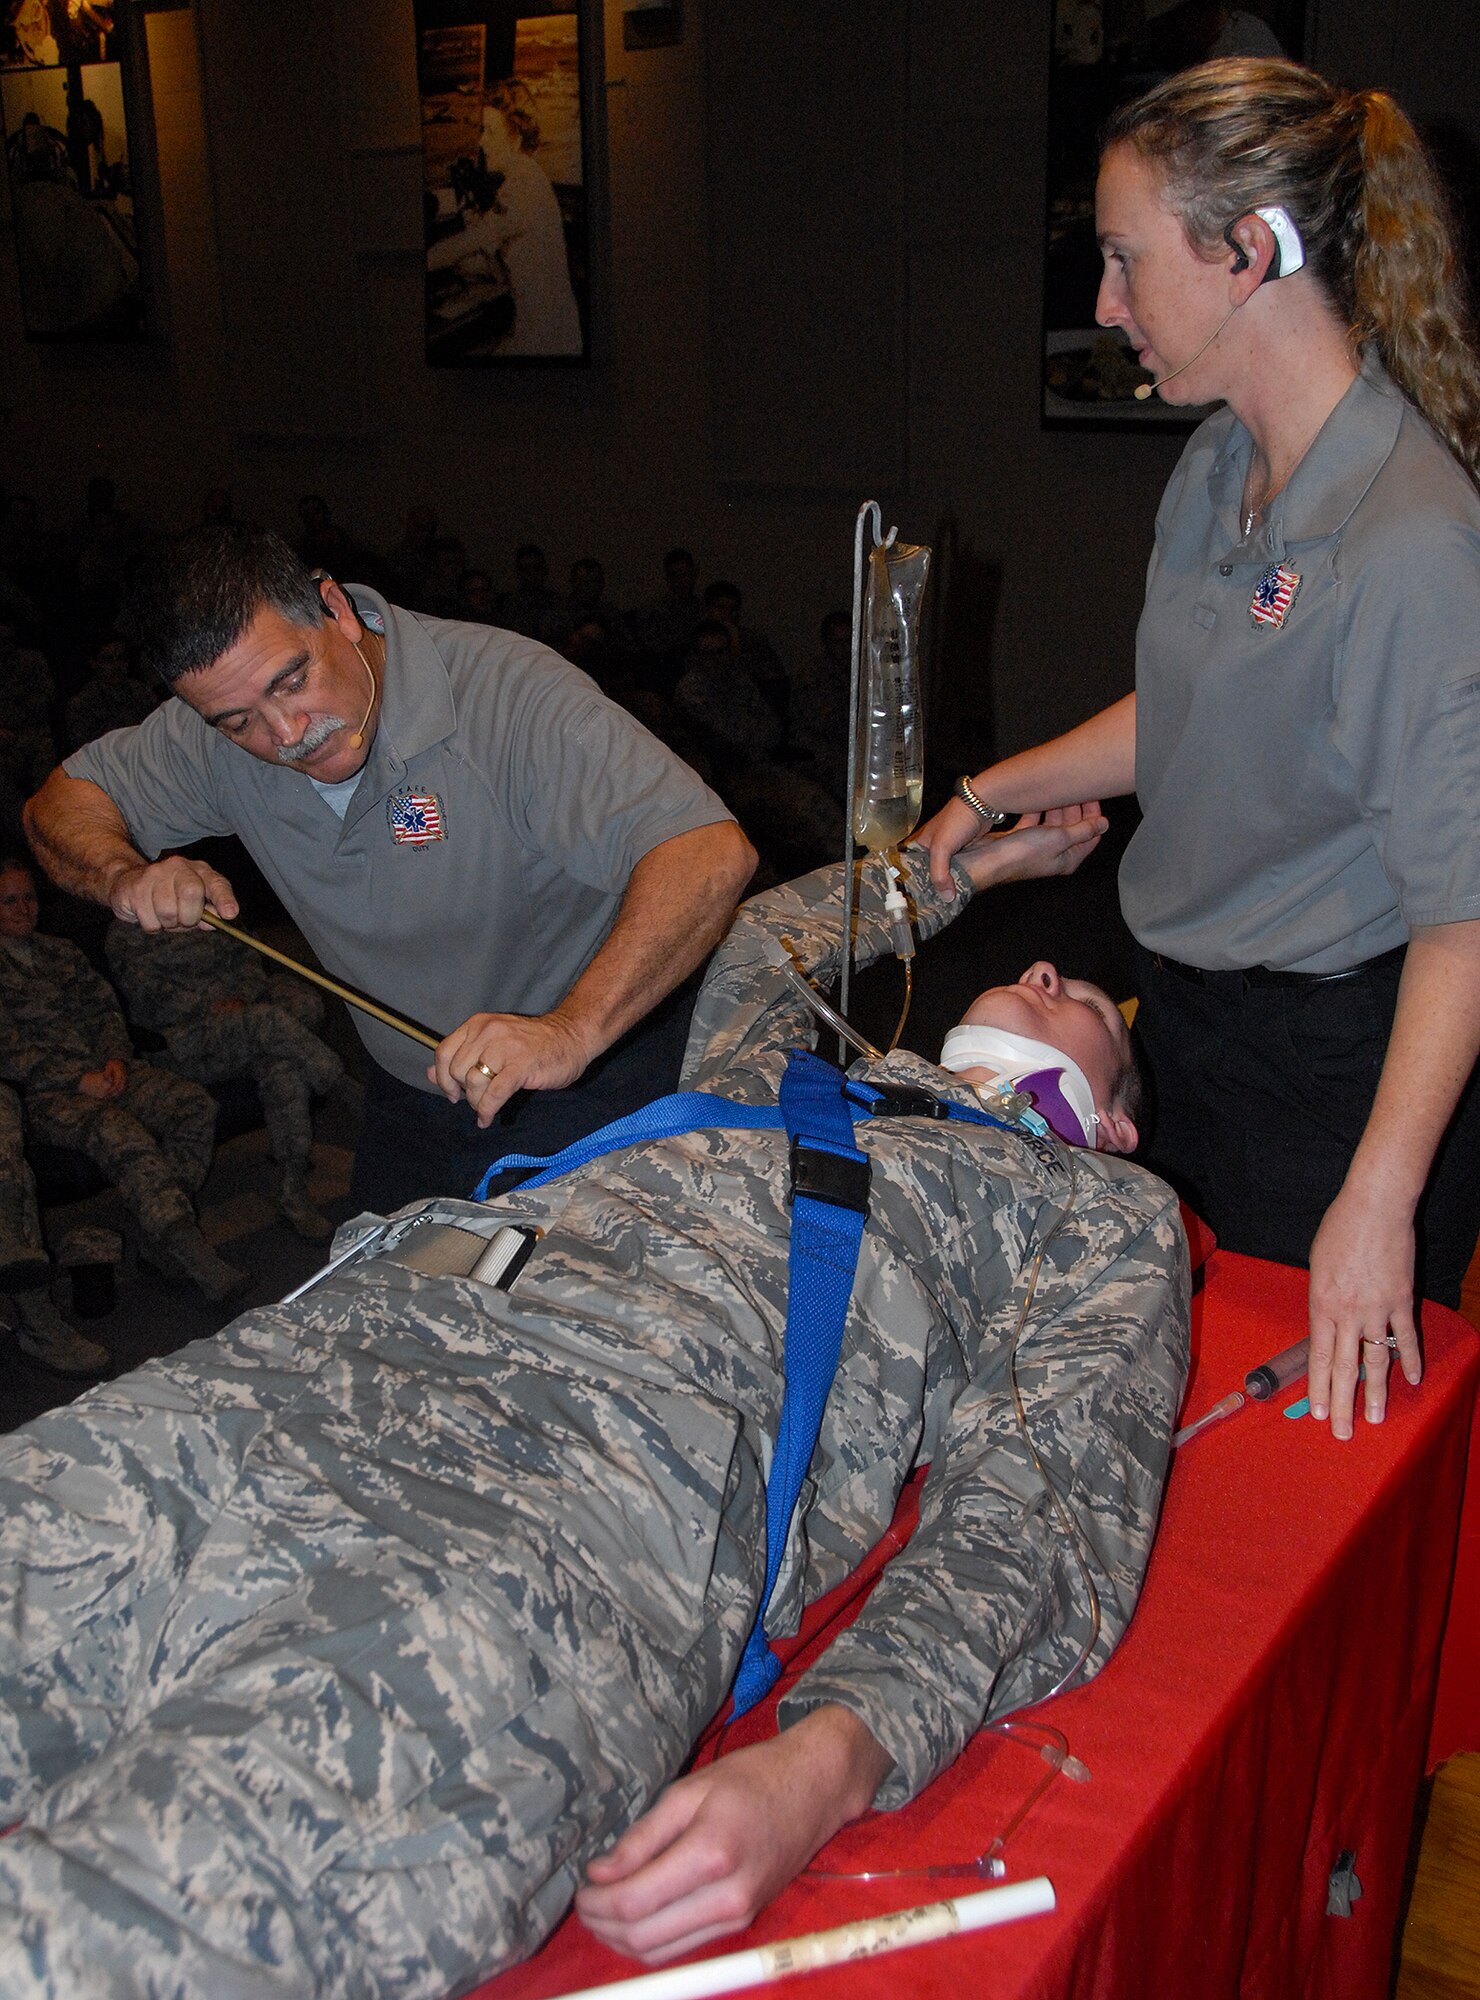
x=1408 y=711
x=161 y=775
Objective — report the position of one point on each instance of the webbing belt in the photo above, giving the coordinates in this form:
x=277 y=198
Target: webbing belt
x=829 y=1207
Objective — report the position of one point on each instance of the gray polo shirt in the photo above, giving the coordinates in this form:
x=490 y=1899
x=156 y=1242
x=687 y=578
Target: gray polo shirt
x=485 y=850
x=1311 y=784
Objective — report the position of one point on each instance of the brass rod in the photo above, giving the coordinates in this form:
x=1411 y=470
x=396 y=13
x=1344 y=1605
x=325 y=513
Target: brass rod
x=349 y=994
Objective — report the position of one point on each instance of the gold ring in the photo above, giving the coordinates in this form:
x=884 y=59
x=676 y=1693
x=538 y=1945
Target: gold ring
x=483 y=1069
x=1380 y=1340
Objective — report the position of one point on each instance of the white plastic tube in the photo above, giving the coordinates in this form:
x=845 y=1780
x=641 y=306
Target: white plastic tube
x=867 y=1939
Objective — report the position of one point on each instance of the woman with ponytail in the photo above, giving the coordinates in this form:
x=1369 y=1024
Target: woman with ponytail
x=1304 y=887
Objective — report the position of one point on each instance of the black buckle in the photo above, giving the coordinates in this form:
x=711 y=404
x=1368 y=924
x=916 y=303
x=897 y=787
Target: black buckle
x=829 y=1177
x=898 y=1100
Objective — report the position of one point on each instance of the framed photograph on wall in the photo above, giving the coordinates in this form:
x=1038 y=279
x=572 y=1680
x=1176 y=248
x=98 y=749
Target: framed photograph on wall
x=506 y=90
x=1104 y=52
x=78 y=141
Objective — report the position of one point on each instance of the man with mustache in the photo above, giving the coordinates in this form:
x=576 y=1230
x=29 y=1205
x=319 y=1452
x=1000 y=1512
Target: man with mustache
x=483 y=842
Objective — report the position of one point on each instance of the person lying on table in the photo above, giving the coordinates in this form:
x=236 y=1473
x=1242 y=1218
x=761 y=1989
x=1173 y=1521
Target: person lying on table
x=336 y=1652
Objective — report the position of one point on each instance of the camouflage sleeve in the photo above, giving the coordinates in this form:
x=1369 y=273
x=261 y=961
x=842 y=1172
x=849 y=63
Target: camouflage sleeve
x=32 y=1065
x=986 y=1608
x=93 y=1006
x=747 y=1010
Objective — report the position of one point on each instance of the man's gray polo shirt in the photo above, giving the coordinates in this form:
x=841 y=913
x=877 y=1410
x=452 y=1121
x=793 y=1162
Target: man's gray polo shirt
x=1311 y=787
x=486 y=848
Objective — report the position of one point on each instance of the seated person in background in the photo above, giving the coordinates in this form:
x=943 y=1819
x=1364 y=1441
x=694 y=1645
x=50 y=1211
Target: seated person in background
x=531 y=602
x=819 y=706
x=477 y=602
x=393 y=1607
x=664 y=628
x=40 y=1332
x=787 y=814
x=587 y=606
x=27 y=752
x=753 y=649
x=64 y=1045
x=208 y=996
x=110 y=698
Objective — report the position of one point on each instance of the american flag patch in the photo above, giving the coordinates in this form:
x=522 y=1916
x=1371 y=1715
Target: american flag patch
x=416 y=818
x=1274 y=593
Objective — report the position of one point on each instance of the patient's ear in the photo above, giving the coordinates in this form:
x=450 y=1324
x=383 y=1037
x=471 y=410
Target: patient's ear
x=1116 y=1132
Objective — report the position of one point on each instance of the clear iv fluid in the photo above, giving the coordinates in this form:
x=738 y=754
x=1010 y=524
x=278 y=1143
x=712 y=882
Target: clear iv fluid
x=889 y=756
x=885 y=821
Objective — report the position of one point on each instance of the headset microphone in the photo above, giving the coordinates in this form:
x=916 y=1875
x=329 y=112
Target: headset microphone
x=359 y=736
x=1144 y=389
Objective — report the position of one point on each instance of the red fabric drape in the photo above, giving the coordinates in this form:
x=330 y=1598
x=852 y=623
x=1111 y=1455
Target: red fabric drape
x=1271 y=1705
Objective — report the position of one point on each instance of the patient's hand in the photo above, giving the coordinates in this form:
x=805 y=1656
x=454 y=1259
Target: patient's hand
x=1051 y=843
x=719 y=1844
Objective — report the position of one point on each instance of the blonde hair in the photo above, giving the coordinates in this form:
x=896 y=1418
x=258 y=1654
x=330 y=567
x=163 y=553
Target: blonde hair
x=1243 y=132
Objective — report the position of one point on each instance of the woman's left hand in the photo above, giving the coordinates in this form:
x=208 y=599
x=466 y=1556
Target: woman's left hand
x=1361 y=1285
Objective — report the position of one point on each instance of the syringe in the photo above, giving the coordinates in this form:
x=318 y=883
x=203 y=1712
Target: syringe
x=1286 y=1366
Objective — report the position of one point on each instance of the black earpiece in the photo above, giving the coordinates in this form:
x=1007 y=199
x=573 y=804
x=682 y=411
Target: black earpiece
x=1240 y=254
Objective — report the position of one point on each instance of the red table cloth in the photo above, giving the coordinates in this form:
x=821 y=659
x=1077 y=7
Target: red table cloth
x=1271 y=1706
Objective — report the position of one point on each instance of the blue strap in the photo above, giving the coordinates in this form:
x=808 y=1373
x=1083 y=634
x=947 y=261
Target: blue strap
x=825 y=1241
x=664 y=1118
x=828 y=1211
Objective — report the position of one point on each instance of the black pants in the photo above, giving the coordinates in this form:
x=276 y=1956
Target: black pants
x=415 y=1143
x=1260 y=1094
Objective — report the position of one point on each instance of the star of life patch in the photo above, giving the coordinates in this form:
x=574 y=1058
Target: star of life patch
x=416 y=819
x=1274 y=593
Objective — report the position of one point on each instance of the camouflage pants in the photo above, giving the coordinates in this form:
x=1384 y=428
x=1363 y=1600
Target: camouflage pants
x=287 y=1064
x=331 y=1649
x=19 y=1222
x=154 y=1141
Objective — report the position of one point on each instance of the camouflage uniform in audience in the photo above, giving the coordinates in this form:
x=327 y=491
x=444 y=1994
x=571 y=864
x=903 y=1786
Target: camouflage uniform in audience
x=60 y=1024
x=207 y=995
x=40 y=1333
x=334 y=1647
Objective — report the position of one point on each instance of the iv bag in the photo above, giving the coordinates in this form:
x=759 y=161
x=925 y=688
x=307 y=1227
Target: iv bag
x=889 y=752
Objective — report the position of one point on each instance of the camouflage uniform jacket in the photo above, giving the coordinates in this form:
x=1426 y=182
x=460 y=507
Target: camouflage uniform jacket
x=172 y=979
x=672 y=1259
x=58 y=1018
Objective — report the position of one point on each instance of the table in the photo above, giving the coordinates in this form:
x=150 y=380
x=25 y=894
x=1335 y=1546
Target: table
x=1272 y=1705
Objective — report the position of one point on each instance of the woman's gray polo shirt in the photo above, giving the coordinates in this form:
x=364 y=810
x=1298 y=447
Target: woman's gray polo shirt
x=481 y=861
x=1311 y=783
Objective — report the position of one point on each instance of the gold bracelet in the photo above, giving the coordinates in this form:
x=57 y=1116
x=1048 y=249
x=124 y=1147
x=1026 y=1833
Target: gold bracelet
x=990 y=814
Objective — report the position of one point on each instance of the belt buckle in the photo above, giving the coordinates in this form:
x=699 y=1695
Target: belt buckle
x=898 y=1100
x=831 y=1177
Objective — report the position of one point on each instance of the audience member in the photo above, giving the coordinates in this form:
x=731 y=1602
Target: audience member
x=786 y=814
x=111 y=698
x=526 y=608
x=40 y=1332
x=64 y=1045
x=208 y=996
x=476 y=600
x=819 y=706
x=753 y=649
x=664 y=628
x=587 y=606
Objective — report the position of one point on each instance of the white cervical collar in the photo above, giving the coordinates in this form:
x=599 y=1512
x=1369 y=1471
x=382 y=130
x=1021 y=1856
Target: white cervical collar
x=1011 y=1057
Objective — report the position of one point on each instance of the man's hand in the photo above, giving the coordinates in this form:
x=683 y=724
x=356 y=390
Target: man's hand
x=491 y=1056
x=719 y=1844
x=1361 y=1283
x=103 y=1085
x=170 y=895
x=1051 y=843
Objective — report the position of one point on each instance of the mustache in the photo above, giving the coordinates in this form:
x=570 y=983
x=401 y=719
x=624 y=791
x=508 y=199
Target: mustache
x=313 y=738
